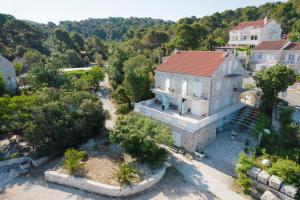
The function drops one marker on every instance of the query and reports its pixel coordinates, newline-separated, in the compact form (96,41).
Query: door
(197,88)
(184,87)
(176,139)
(167,84)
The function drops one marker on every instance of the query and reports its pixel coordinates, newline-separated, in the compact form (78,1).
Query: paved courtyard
(223,152)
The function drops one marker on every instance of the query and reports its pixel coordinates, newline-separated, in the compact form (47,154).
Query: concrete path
(205,177)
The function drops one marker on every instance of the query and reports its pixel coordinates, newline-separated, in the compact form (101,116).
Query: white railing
(287,62)
(143,108)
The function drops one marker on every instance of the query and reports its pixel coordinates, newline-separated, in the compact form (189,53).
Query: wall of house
(8,73)
(176,86)
(272,57)
(222,93)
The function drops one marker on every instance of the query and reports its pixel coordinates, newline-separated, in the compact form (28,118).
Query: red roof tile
(293,46)
(271,45)
(197,63)
(254,24)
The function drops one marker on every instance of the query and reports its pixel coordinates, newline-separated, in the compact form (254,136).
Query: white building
(194,92)
(269,53)
(7,71)
(254,32)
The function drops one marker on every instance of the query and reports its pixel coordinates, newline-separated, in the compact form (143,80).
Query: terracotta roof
(271,45)
(197,63)
(293,46)
(254,24)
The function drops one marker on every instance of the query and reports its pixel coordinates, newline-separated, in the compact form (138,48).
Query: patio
(224,151)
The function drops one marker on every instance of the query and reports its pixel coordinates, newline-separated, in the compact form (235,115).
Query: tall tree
(271,81)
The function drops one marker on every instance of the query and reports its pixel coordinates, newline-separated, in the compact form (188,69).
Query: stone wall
(263,181)
(14,161)
(104,189)
(199,139)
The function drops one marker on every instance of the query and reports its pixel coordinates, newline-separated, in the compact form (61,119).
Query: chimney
(265,20)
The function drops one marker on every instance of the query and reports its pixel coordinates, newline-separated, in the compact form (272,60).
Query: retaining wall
(104,189)
(13,161)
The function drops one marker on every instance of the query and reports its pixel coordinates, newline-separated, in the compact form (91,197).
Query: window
(217,103)
(254,37)
(218,85)
(259,56)
(291,59)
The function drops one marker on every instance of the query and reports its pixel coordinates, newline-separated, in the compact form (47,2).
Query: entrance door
(176,139)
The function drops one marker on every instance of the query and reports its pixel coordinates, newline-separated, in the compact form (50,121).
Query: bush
(288,170)
(126,173)
(244,164)
(72,160)
(123,108)
(244,182)
(141,137)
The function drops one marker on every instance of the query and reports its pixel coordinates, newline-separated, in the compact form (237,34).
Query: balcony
(186,121)
(175,94)
(239,90)
(273,61)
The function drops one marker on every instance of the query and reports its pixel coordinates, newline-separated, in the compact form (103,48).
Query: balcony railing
(183,123)
(274,61)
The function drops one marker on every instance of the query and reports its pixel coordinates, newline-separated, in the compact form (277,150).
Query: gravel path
(108,105)
(33,187)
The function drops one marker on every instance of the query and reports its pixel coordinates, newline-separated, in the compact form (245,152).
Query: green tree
(141,137)
(271,81)
(73,58)
(138,77)
(99,60)
(18,68)
(31,57)
(72,160)
(2,85)
(48,73)
(96,75)
(77,40)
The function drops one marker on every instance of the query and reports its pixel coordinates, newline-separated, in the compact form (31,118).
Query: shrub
(244,182)
(244,164)
(288,170)
(123,108)
(141,137)
(126,173)
(72,160)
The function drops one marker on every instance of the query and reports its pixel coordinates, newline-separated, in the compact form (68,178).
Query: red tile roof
(271,45)
(293,46)
(197,63)
(254,24)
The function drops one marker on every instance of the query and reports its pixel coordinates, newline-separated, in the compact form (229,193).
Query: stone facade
(197,140)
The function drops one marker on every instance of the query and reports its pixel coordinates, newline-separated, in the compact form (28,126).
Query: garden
(133,155)
(278,154)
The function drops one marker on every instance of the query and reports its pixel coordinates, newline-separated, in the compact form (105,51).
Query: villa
(8,73)
(269,53)
(254,32)
(195,93)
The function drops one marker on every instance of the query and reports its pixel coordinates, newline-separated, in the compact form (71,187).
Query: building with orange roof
(195,91)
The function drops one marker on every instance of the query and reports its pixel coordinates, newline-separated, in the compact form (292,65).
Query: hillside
(188,33)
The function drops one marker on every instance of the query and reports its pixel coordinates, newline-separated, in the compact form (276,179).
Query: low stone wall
(264,181)
(104,189)
(14,161)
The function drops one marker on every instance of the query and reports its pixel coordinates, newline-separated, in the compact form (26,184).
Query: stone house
(269,53)
(8,73)
(194,93)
